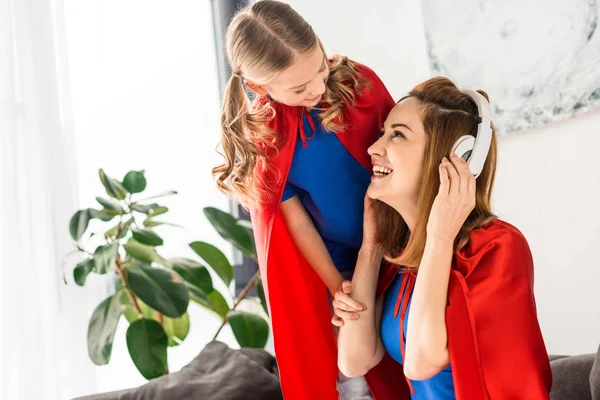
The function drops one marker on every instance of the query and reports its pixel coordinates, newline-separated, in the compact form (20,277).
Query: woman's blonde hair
(262,41)
(447,114)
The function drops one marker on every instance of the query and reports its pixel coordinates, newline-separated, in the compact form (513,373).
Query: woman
(458,310)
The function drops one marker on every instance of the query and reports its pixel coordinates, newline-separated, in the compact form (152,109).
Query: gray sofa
(217,373)
(220,373)
(576,377)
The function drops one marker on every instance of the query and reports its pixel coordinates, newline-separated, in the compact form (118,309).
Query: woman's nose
(377,148)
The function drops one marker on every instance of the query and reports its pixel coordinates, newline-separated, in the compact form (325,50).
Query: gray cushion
(571,377)
(217,373)
(595,377)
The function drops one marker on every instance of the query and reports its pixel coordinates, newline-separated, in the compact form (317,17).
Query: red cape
(495,343)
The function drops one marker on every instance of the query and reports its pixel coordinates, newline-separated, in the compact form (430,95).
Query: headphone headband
(475,149)
(483,139)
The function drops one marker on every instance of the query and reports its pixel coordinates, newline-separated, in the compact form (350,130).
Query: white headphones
(474,149)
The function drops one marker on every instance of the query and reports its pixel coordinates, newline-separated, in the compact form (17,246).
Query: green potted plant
(152,292)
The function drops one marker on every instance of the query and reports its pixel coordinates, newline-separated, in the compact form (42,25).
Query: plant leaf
(245,223)
(215,259)
(141,252)
(101,330)
(104,214)
(218,304)
(176,329)
(193,273)
(143,208)
(250,330)
(79,223)
(134,182)
(150,223)
(109,204)
(160,289)
(147,345)
(105,257)
(261,294)
(148,237)
(227,226)
(197,295)
(213,301)
(157,211)
(127,308)
(163,194)
(113,187)
(112,232)
(82,270)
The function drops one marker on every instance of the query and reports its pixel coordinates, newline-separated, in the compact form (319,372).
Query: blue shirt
(438,387)
(331,184)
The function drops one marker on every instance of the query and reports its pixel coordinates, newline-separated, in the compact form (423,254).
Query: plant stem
(79,248)
(121,273)
(239,299)
(247,289)
(161,320)
(159,317)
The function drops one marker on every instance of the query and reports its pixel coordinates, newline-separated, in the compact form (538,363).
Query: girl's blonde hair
(262,41)
(447,114)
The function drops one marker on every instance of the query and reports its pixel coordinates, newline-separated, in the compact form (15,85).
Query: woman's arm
(359,342)
(427,341)
(427,347)
(309,242)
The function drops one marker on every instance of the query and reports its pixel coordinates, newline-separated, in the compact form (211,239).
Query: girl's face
(302,84)
(398,156)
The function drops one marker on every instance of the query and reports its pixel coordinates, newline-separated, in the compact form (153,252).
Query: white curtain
(42,335)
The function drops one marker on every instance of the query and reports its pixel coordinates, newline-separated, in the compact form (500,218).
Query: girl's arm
(309,242)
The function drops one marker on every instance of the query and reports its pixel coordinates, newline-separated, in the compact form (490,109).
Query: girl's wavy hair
(262,41)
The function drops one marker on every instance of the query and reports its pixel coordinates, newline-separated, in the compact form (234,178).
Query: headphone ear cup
(464,146)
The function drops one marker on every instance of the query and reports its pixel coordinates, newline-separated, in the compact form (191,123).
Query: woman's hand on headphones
(344,306)
(454,202)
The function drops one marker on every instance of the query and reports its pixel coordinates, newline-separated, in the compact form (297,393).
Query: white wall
(548,181)
(385,35)
(548,185)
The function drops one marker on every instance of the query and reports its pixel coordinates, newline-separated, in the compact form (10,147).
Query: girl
(297,157)
(458,311)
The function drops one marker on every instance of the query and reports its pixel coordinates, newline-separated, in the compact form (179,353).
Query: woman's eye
(399,134)
(300,91)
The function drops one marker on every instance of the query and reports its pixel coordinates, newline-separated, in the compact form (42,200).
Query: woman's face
(398,156)
(303,83)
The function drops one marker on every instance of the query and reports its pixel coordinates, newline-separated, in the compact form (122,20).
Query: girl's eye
(399,134)
(323,68)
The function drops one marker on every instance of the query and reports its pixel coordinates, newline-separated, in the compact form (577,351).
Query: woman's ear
(256,88)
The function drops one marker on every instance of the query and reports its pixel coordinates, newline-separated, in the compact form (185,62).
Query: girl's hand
(344,306)
(454,202)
